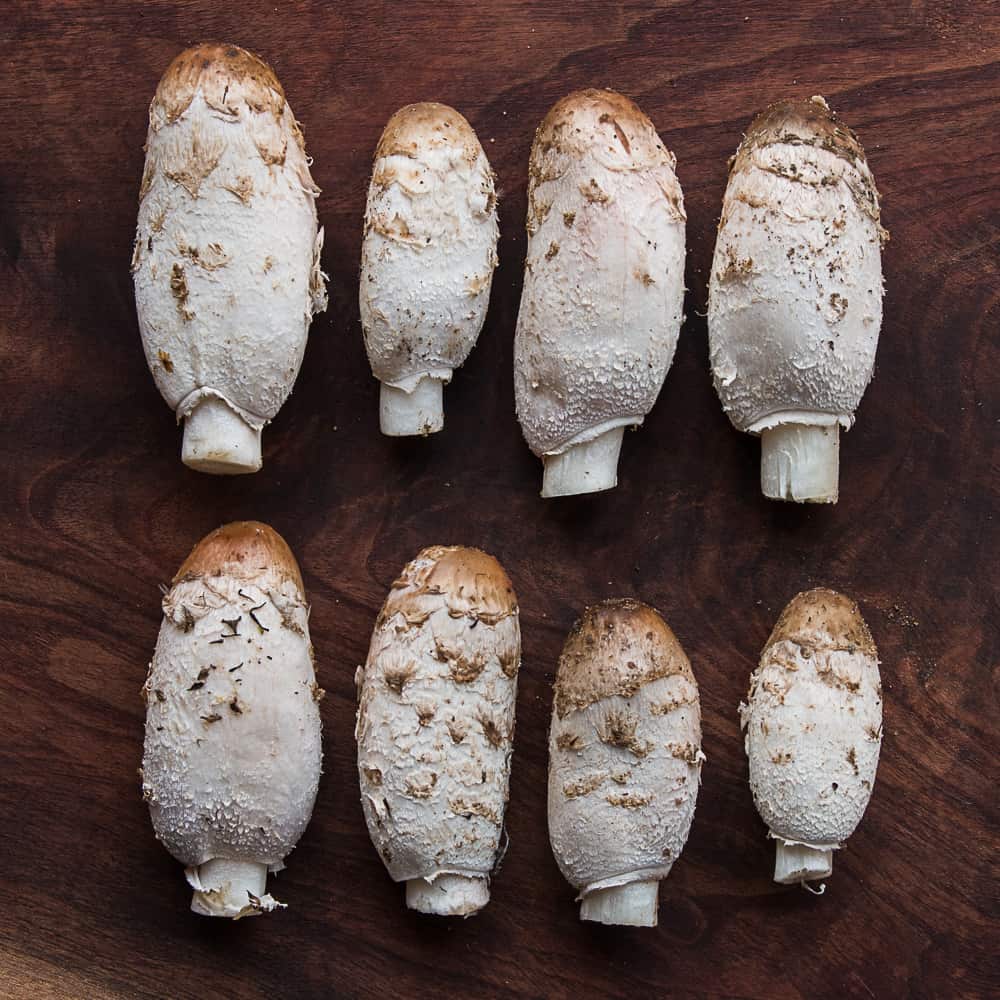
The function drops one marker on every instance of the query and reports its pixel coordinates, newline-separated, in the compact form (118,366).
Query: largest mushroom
(227,250)
(795,295)
(603,286)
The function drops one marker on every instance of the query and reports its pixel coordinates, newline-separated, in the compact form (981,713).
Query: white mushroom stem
(633,905)
(448,895)
(421,411)
(795,863)
(588,467)
(218,440)
(228,888)
(800,462)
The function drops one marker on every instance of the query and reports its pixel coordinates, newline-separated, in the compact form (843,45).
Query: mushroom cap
(613,650)
(435,723)
(823,619)
(603,293)
(429,247)
(226,261)
(233,746)
(795,293)
(242,550)
(811,122)
(214,67)
(469,581)
(416,129)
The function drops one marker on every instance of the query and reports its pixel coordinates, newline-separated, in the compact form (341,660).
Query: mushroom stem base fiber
(795,863)
(800,462)
(588,467)
(219,441)
(448,895)
(632,905)
(226,885)
(403,414)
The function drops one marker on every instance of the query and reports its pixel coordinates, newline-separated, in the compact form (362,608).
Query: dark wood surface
(97,509)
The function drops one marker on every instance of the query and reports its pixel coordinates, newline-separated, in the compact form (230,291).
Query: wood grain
(97,509)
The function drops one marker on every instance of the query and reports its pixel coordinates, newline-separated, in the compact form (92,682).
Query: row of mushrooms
(233,750)
(227,273)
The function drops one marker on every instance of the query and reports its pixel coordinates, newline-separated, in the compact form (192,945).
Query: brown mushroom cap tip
(240,64)
(243,549)
(411,126)
(466,570)
(472,581)
(617,647)
(581,107)
(823,619)
(214,67)
(804,119)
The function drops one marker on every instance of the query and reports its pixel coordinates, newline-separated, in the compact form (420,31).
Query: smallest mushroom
(813,724)
(427,261)
(624,760)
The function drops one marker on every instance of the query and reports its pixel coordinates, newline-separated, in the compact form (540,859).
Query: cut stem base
(800,462)
(404,414)
(448,895)
(632,905)
(227,886)
(794,863)
(588,467)
(218,440)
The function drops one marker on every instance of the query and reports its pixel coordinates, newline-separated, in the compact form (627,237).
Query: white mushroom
(435,726)
(427,261)
(233,750)
(226,260)
(624,760)
(603,286)
(813,723)
(795,295)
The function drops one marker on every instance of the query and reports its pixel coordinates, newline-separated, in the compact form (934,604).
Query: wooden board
(97,509)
